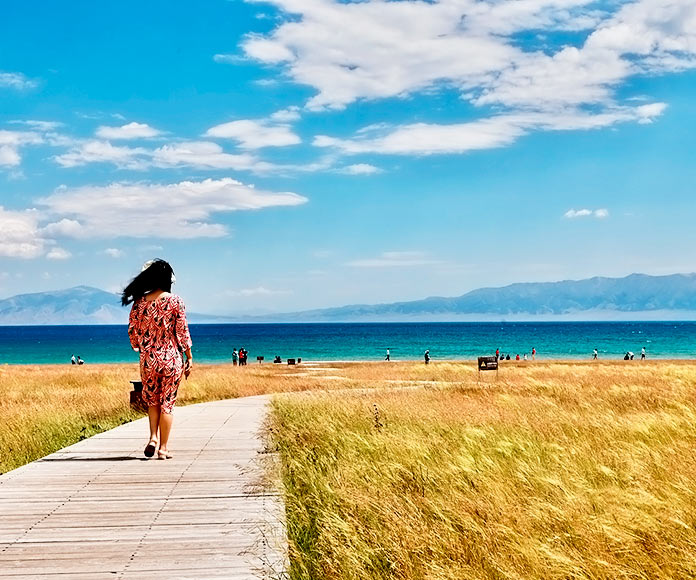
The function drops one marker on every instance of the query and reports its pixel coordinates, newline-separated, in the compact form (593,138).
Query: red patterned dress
(158,329)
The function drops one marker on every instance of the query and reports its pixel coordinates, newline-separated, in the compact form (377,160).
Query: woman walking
(158,329)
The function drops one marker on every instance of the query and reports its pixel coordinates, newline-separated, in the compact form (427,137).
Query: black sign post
(488,363)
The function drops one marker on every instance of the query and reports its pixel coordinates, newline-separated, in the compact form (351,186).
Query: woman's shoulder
(176,299)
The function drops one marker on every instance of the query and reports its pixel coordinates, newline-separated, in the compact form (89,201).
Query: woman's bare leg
(165,428)
(153,414)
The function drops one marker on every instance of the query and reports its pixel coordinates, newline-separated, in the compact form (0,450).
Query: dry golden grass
(47,407)
(557,471)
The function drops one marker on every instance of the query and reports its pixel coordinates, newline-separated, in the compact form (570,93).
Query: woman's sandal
(150,449)
(163,454)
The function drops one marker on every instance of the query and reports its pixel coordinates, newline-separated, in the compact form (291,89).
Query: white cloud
(374,49)
(19,234)
(430,139)
(228,58)
(255,134)
(286,115)
(179,210)
(395,259)
(198,154)
(114,252)
(580,213)
(43,126)
(258,291)
(360,169)
(202,154)
(128,131)
(16,81)
(103,152)
(10,143)
(58,254)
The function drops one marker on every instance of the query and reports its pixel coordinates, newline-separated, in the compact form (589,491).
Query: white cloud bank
(19,234)
(17,81)
(394,260)
(179,210)
(377,49)
(601,213)
(10,143)
(255,134)
(128,131)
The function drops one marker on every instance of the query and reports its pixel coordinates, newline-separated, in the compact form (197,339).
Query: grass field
(558,470)
(45,408)
(554,471)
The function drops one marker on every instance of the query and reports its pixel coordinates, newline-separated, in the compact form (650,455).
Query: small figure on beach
(388,357)
(243,356)
(158,330)
(73,360)
(525,356)
(235,356)
(629,355)
(594,354)
(533,353)
(497,354)
(426,356)
(642,353)
(277,359)
(507,356)
(79,360)
(517,356)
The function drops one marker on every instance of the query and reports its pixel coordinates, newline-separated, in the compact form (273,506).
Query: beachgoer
(426,356)
(242,357)
(533,353)
(235,356)
(158,330)
(507,356)
(630,354)
(525,356)
(517,357)
(594,354)
(627,357)
(642,354)
(388,356)
(73,360)
(79,360)
(497,353)
(277,359)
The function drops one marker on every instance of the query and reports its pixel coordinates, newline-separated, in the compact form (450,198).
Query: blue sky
(293,154)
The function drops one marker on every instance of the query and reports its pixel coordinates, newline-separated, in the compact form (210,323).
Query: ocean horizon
(364,341)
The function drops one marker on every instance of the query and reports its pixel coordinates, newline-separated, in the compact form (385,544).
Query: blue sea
(213,343)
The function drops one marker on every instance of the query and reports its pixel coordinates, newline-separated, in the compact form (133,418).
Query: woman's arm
(133,329)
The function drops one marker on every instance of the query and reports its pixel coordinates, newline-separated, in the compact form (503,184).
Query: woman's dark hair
(158,275)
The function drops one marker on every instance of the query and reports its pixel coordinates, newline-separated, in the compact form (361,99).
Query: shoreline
(319,363)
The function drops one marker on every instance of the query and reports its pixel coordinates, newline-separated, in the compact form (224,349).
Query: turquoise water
(213,343)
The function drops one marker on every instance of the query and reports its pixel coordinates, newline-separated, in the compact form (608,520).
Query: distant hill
(78,305)
(635,297)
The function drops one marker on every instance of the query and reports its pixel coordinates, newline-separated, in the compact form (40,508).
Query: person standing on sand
(426,356)
(497,353)
(642,354)
(235,356)
(388,357)
(73,360)
(158,330)
(533,353)
(594,354)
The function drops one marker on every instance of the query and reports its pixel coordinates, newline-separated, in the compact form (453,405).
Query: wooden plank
(98,509)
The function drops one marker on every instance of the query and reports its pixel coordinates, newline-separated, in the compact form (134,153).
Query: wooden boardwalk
(99,509)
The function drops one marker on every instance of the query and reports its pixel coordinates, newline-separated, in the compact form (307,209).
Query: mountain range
(634,297)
